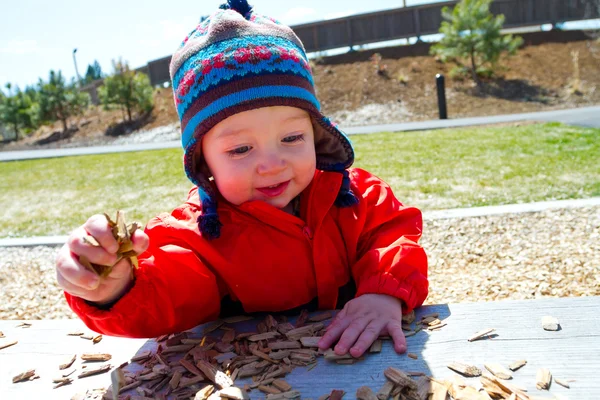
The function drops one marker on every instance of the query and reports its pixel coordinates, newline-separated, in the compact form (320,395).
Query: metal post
(76,71)
(441,94)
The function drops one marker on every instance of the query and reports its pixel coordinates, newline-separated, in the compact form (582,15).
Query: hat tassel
(345,197)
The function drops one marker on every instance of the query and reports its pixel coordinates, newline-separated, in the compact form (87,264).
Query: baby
(276,220)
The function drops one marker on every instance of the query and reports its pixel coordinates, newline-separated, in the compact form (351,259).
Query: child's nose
(271,164)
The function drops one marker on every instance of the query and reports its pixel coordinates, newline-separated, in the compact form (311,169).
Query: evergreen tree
(93,73)
(127,89)
(59,101)
(472,36)
(18,111)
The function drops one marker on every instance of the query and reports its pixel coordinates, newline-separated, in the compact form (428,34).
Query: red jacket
(269,260)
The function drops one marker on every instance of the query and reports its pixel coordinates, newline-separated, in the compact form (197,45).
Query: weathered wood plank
(567,353)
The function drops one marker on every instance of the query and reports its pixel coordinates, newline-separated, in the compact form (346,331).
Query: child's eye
(239,151)
(293,138)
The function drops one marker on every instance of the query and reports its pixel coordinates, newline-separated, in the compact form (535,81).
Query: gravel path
(515,256)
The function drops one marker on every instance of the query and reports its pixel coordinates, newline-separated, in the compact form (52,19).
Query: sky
(39,35)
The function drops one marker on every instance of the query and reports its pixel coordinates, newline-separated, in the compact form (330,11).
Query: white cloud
(340,14)
(19,47)
(297,14)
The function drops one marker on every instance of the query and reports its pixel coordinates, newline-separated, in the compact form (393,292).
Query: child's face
(264,154)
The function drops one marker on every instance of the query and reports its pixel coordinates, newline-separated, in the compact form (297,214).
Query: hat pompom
(241,6)
(345,197)
(208,222)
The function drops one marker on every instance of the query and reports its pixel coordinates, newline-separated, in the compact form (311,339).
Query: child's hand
(360,323)
(77,280)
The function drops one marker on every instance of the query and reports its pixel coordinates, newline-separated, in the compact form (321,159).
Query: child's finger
(350,335)
(97,226)
(394,329)
(140,241)
(75,273)
(334,330)
(69,287)
(96,255)
(367,337)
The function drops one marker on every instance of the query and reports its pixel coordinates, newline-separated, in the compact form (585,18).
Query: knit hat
(234,61)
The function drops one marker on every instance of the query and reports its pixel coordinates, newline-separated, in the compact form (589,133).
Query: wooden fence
(407,22)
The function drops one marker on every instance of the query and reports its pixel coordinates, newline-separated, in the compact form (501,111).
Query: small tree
(472,36)
(127,89)
(93,73)
(18,111)
(59,101)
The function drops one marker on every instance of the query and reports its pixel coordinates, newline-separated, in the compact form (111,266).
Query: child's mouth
(274,190)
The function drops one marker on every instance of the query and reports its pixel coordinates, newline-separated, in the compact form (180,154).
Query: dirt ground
(539,78)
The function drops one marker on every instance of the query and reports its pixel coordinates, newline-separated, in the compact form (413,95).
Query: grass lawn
(430,169)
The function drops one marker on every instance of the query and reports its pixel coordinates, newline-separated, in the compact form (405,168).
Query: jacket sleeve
(173,290)
(388,257)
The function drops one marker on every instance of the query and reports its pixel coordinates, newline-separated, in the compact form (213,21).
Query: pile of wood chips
(185,367)
(207,367)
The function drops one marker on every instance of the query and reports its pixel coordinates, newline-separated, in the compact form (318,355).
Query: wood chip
(543,378)
(285,345)
(498,370)
(320,317)
(385,391)
(439,389)
(75,333)
(233,393)
(481,334)
(24,376)
(68,363)
(268,389)
(400,378)
(264,356)
(562,383)
(213,374)
(87,336)
(365,393)
(280,355)
(97,339)
(212,327)
(332,356)
(8,344)
(263,336)
(61,382)
(99,370)
(306,330)
(190,367)
(1,334)
(465,369)
(376,346)
(550,323)
(413,356)
(282,385)
(141,357)
(291,395)
(237,318)
(310,341)
(96,357)
(24,325)
(409,318)
(117,378)
(204,393)
(517,364)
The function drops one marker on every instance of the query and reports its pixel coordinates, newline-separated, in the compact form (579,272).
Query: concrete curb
(429,215)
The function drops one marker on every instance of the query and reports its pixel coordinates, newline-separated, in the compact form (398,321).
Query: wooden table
(572,353)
